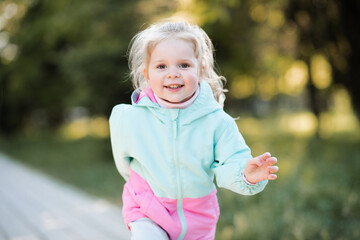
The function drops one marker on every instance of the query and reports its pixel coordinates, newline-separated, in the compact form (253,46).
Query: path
(34,206)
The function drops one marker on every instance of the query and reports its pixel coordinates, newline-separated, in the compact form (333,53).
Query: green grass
(317,194)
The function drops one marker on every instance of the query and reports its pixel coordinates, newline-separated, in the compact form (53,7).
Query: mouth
(174,86)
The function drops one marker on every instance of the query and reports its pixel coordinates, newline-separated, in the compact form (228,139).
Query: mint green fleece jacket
(180,151)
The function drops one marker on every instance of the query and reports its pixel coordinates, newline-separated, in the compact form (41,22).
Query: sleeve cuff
(245,180)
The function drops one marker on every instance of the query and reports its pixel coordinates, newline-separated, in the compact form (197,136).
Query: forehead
(169,45)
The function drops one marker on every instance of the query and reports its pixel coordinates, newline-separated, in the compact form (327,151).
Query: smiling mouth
(175,86)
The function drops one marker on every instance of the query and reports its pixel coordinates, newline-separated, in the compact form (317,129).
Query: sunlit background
(293,76)
(63,64)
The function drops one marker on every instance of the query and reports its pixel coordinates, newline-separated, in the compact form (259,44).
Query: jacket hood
(203,105)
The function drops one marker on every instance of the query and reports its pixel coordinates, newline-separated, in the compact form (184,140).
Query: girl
(174,138)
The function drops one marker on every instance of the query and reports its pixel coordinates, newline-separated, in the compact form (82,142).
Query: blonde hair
(145,41)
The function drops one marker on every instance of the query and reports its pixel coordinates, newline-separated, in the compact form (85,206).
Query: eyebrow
(160,60)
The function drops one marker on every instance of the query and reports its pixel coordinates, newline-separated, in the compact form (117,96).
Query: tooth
(174,86)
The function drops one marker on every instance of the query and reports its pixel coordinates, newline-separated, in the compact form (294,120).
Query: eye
(161,66)
(184,65)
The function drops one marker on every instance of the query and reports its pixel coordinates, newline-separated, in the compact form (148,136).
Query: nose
(173,73)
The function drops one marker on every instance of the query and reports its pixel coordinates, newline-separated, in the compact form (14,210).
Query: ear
(202,70)
(146,75)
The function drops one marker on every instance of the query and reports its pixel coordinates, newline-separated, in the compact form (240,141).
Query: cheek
(155,80)
(193,78)
(151,76)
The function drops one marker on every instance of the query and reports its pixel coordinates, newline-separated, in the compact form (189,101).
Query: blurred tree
(332,29)
(254,48)
(70,54)
(234,35)
(62,54)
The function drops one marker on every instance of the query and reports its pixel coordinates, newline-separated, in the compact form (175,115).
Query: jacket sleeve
(231,154)
(118,143)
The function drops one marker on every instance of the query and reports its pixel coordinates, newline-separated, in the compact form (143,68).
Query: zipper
(180,210)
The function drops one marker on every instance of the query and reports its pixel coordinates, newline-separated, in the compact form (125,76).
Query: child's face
(173,71)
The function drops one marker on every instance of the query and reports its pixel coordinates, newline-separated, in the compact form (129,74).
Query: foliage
(56,55)
(71,54)
(330,28)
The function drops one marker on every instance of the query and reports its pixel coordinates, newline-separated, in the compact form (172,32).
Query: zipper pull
(175,118)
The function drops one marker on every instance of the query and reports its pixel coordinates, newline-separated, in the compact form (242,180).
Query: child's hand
(261,168)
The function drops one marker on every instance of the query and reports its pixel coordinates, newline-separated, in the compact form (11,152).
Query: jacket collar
(203,105)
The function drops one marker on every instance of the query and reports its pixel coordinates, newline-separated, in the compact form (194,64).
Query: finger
(271,160)
(262,158)
(272,177)
(273,169)
(255,161)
